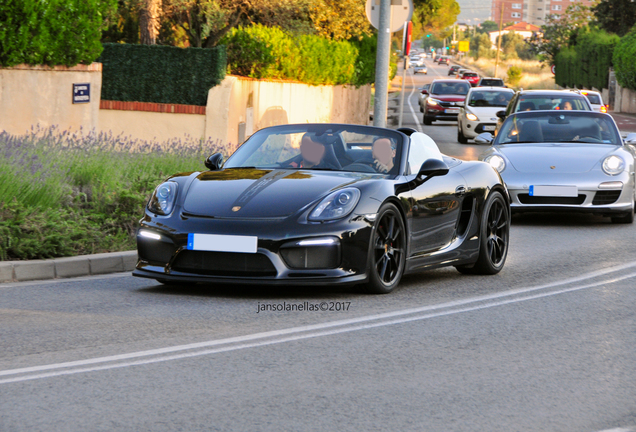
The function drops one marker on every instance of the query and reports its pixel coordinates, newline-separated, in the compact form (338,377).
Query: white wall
(42,95)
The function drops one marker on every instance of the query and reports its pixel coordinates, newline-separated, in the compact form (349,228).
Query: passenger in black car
(383,153)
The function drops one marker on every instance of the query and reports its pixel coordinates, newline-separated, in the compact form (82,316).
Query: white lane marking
(417,121)
(435,70)
(291,334)
(618,430)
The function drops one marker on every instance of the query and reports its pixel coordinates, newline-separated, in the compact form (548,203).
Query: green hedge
(268,52)
(625,60)
(52,32)
(586,64)
(162,74)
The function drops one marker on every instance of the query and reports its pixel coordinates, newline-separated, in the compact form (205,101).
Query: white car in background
(479,113)
(595,99)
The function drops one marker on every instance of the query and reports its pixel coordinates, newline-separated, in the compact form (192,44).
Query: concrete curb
(83,265)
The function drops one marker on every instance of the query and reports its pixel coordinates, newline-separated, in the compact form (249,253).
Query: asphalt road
(549,344)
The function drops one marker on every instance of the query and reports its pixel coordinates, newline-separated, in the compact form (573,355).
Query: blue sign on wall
(81,93)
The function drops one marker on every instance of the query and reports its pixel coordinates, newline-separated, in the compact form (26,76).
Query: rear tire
(494,234)
(387,251)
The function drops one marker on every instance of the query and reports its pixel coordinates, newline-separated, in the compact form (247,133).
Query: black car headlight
(163,198)
(336,205)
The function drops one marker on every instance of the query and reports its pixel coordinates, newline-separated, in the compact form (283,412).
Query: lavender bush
(69,193)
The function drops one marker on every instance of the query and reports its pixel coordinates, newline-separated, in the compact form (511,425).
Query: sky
(473,11)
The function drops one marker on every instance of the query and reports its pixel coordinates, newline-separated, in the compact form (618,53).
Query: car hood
(555,158)
(258,193)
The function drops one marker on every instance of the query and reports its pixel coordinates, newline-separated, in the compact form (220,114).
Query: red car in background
(445,98)
(471,76)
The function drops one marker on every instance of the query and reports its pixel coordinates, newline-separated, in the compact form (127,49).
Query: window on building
(556,7)
(516,5)
(516,15)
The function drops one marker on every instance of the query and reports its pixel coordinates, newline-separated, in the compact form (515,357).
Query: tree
(487,26)
(149,21)
(509,42)
(615,16)
(340,19)
(559,30)
(436,15)
(53,32)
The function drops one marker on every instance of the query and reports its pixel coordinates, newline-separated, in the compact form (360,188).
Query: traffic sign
(463,46)
(406,38)
(401,12)
(553,69)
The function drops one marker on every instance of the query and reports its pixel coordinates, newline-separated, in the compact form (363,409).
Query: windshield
(325,147)
(447,88)
(484,98)
(555,127)
(593,98)
(545,102)
(491,82)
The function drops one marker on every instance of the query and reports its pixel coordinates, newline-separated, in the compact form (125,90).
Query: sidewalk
(58,268)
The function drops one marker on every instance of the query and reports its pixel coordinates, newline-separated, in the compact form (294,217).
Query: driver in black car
(312,153)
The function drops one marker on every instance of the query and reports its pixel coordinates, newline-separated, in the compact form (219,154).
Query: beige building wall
(152,126)
(43,96)
(238,107)
(40,95)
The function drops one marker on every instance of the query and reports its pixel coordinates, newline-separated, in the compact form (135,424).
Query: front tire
(427,120)
(494,234)
(387,254)
(625,218)
(460,135)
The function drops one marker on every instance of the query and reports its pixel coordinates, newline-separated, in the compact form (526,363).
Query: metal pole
(404,37)
(402,94)
(382,65)
(499,40)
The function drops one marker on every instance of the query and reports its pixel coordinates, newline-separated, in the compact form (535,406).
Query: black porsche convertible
(323,204)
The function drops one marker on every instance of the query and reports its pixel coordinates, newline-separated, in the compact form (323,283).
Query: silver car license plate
(222,243)
(562,191)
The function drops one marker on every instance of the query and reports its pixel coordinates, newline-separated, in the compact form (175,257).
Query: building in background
(531,11)
(526,30)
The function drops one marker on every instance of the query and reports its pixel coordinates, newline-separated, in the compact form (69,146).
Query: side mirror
(424,91)
(484,138)
(432,168)
(630,138)
(501,114)
(214,162)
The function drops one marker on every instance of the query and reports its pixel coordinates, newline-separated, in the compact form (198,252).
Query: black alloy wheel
(387,251)
(493,238)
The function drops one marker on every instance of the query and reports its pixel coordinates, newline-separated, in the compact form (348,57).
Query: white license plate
(451,110)
(222,243)
(489,128)
(561,191)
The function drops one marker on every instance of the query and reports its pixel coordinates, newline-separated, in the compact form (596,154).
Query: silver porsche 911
(565,161)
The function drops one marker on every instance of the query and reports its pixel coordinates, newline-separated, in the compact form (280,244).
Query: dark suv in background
(445,98)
